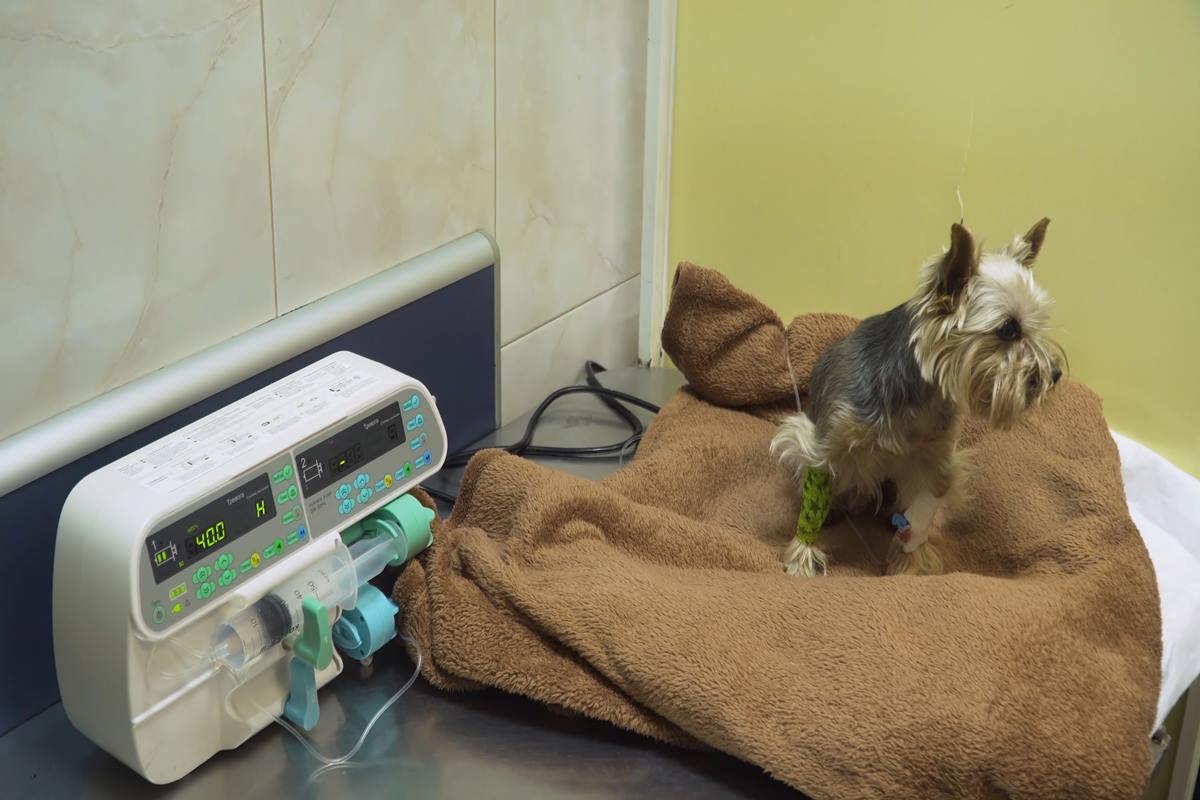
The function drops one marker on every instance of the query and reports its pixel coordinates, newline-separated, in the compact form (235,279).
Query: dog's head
(981,323)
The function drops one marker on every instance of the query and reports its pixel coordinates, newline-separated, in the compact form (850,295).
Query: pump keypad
(359,467)
(384,469)
(212,575)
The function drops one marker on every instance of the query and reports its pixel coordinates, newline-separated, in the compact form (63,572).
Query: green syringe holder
(314,646)
(405,520)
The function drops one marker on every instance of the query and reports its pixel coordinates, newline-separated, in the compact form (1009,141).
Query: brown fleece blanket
(654,599)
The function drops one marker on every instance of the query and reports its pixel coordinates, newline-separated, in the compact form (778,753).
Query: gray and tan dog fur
(886,402)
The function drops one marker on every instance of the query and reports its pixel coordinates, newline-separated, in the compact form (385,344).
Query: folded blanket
(654,599)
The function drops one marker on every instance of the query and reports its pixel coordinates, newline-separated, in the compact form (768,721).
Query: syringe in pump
(255,629)
(334,581)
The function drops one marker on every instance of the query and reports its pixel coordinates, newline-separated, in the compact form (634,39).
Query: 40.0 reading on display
(202,541)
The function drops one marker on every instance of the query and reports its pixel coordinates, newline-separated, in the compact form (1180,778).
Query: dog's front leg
(912,553)
(925,481)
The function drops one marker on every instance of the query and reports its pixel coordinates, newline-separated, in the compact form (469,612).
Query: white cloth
(1164,502)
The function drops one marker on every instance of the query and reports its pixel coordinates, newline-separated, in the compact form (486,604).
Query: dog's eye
(1010,331)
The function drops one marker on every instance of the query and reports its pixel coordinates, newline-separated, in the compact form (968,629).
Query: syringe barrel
(251,631)
(262,625)
(394,535)
(371,554)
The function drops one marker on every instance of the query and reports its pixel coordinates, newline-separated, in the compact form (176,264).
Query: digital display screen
(343,453)
(210,528)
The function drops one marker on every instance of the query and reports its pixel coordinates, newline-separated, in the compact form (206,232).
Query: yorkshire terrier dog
(885,403)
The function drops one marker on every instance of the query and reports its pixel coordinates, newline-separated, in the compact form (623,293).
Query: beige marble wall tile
(603,329)
(134,209)
(570,95)
(381,122)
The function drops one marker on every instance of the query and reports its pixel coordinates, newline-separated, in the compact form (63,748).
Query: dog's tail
(796,445)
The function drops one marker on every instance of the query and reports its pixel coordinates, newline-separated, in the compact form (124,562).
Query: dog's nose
(1055,374)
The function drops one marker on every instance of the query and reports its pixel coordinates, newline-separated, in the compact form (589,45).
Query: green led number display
(213,535)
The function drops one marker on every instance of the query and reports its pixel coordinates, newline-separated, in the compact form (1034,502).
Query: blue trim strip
(447,340)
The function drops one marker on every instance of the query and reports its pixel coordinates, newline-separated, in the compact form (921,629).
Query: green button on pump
(201,575)
(158,613)
(282,497)
(246,566)
(287,471)
(278,477)
(293,492)
(224,561)
(227,577)
(205,591)
(289,517)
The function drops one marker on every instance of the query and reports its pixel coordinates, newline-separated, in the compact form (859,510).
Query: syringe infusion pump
(201,582)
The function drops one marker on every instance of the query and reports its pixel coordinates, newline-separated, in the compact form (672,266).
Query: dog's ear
(1025,248)
(959,264)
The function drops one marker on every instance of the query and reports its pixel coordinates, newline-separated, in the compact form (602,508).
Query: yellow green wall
(817,147)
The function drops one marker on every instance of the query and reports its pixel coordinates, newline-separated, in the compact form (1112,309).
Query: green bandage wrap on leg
(814,505)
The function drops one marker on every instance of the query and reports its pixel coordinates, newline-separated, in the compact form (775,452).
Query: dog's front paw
(924,560)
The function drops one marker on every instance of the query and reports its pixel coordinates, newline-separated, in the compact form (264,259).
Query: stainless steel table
(429,744)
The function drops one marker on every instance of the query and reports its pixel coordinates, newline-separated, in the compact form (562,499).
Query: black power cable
(438,494)
(592,369)
(525,446)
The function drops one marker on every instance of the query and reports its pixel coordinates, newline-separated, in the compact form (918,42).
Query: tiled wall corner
(603,329)
(134,213)
(570,97)
(381,129)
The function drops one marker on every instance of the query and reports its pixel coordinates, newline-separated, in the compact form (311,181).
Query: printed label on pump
(260,425)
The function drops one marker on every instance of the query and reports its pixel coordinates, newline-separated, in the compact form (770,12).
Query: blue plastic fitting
(368,626)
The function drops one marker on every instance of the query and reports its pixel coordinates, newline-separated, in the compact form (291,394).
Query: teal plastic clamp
(312,651)
(368,626)
(301,707)
(314,646)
